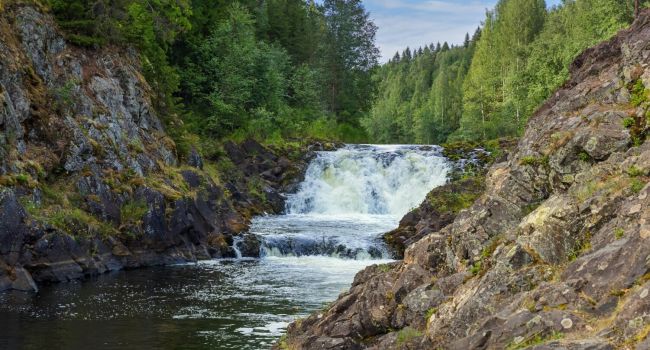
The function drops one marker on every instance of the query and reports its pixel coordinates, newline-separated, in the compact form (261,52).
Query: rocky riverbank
(554,254)
(90,181)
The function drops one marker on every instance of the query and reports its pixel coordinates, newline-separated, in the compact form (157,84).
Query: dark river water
(210,305)
(331,231)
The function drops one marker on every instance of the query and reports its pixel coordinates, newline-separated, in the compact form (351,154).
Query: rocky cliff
(554,254)
(89,180)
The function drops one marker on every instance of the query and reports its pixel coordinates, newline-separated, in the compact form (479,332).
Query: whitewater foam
(369,179)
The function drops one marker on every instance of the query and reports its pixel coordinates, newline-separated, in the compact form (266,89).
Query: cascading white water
(367,179)
(349,198)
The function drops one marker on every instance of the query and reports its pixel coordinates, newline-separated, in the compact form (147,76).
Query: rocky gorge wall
(89,180)
(555,252)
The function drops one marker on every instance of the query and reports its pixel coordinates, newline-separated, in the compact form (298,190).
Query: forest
(273,70)
(289,69)
(489,86)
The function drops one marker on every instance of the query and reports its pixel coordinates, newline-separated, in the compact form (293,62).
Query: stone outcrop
(555,254)
(89,180)
(469,165)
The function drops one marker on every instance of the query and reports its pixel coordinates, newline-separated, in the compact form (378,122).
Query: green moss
(407,334)
(535,339)
(385,267)
(628,122)
(633,171)
(534,161)
(491,247)
(454,201)
(638,92)
(582,246)
(458,150)
(584,156)
(22,179)
(255,188)
(51,195)
(73,221)
(133,211)
(476,268)
(282,342)
(65,94)
(529,208)
(617,292)
(636,185)
(430,313)
(136,146)
(619,233)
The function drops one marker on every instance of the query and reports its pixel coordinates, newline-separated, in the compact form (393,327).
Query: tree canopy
(271,68)
(489,86)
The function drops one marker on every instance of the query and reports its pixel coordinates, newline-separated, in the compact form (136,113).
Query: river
(330,231)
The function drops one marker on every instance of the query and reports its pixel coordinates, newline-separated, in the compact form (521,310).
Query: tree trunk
(636,8)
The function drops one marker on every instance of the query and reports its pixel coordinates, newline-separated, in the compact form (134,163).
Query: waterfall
(367,179)
(349,197)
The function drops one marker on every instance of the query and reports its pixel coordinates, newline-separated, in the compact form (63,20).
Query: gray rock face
(90,182)
(554,255)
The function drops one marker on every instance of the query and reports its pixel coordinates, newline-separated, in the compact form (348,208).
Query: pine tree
(396,58)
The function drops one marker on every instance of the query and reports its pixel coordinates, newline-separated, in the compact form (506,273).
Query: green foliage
(490,86)
(233,80)
(133,211)
(58,211)
(407,334)
(584,156)
(634,171)
(385,267)
(628,122)
(266,70)
(535,339)
(636,185)
(639,93)
(418,98)
(430,313)
(476,268)
(619,233)
(453,201)
(273,70)
(534,161)
(583,245)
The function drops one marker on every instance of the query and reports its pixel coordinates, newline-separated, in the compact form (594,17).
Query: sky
(414,23)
